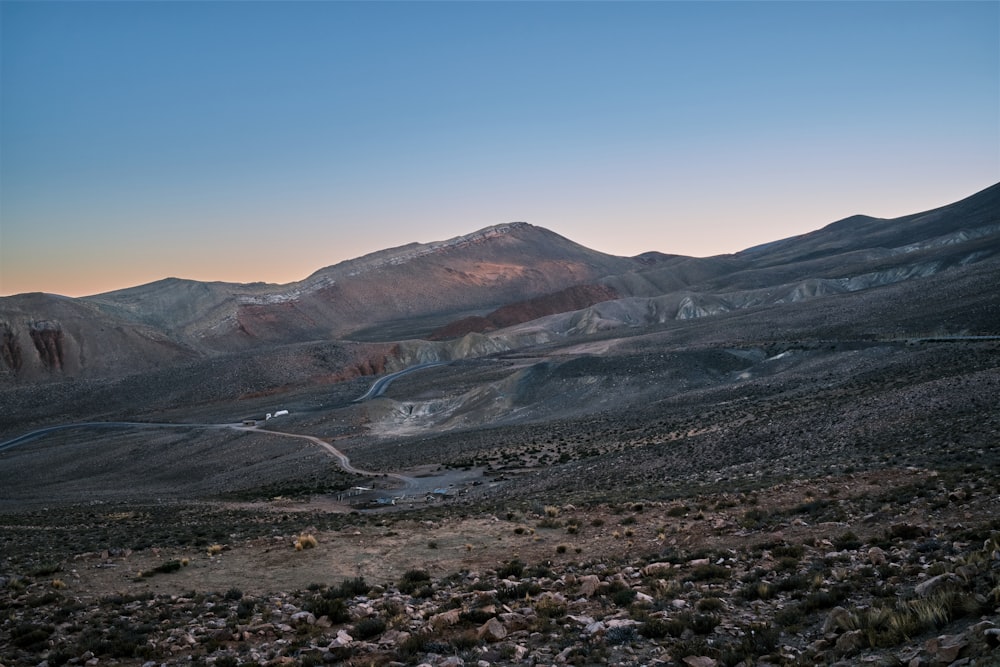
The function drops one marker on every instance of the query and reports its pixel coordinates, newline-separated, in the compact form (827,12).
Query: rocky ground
(895,567)
(619,501)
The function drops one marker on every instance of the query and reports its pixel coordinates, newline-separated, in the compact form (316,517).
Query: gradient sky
(246,141)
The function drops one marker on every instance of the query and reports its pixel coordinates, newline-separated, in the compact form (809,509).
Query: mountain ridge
(499,276)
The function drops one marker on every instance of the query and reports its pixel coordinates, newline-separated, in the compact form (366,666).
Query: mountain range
(502,277)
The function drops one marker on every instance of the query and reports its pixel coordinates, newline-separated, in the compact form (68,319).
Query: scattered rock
(700,661)
(850,642)
(303,618)
(837,620)
(445,619)
(946,649)
(589,585)
(657,569)
(934,584)
(876,556)
(492,631)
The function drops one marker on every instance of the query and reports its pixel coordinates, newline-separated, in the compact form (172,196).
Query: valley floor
(792,503)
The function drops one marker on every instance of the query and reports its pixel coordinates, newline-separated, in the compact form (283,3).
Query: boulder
(700,661)
(303,618)
(589,584)
(850,642)
(342,640)
(876,556)
(515,621)
(445,619)
(837,620)
(934,584)
(946,649)
(657,569)
(492,630)
(580,618)
(393,638)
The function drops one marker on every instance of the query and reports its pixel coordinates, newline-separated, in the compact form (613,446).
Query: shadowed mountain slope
(44,336)
(851,255)
(477,271)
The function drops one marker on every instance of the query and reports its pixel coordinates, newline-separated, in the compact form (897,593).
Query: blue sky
(245,141)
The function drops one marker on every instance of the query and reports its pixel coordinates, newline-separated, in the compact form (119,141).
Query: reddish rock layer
(572,298)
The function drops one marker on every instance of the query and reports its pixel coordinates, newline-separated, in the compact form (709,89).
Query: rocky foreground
(882,569)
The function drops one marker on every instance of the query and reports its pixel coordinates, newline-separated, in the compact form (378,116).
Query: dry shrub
(305,541)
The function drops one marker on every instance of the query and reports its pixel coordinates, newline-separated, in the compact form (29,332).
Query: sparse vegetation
(305,541)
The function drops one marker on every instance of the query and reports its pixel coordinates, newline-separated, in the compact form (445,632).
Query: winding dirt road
(345,462)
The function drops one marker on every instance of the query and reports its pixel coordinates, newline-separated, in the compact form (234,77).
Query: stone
(514,621)
(393,638)
(934,584)
(876,556)
(342,640)
(837,620)
(303,618)
(657,569)
(492,630)
(945,649)
(700,661)
(445,619)
(849,642)
(589,584)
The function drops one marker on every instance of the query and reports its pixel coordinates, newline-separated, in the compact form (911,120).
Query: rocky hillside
(896,567)
(109,335)
(44,336)
(478,271)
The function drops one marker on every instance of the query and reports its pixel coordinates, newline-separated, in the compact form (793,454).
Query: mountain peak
(406,253)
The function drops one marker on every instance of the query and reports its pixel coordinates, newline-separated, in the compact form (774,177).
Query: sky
(261,141)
